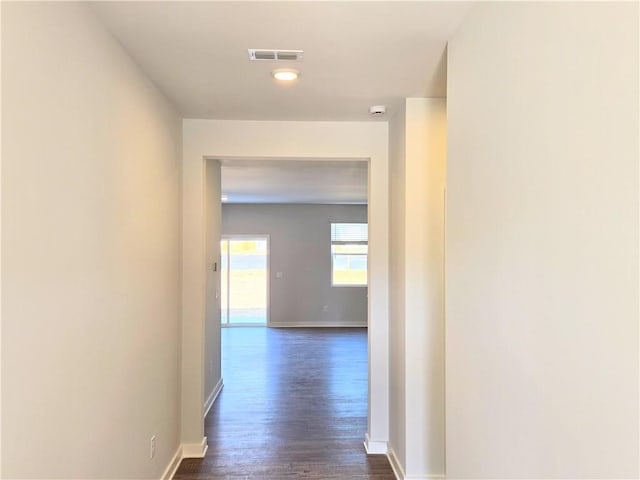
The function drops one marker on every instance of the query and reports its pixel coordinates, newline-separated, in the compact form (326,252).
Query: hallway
(294,405)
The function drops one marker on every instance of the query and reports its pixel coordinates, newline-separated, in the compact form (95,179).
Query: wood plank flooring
(294,405)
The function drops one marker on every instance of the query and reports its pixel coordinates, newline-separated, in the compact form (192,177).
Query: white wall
(417,170)
(90,221)
(300,248)
(397,259)
(1,309)
(542,242)
(424,280)
(331,140)
(212,360)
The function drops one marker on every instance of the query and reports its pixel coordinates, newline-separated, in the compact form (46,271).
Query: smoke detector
(275,55)
(377,110)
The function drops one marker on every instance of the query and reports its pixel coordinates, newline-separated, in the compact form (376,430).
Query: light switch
(278,274)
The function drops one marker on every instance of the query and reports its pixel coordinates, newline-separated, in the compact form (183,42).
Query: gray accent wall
(299,247)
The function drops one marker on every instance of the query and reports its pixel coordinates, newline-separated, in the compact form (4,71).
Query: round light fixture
(285,74)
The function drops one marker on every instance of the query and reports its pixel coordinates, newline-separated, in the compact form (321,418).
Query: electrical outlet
(152,449)
(325,308)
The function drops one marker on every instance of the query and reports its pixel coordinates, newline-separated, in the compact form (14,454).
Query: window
(349,248)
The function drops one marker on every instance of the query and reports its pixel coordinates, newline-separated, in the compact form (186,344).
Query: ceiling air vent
(275,55)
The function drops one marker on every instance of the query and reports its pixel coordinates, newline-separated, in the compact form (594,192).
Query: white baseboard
(398,471)
(186,450)
(315,325)
(171,469)
(212,398)
(374,448)
(395,464)
(195,450)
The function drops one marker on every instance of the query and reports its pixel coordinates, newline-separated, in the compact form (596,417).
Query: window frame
(366,255)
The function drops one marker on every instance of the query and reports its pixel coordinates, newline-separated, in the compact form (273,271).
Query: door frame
(206,142)
(248,236)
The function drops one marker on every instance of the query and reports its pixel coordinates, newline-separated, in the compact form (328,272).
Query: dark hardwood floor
(294,405)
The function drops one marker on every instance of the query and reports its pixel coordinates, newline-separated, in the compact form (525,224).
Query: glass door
(244,273)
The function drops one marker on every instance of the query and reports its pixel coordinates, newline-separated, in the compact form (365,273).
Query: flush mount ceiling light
(285,74)
(224,198)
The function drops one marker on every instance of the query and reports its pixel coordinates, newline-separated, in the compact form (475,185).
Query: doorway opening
(285,199)
(244,286)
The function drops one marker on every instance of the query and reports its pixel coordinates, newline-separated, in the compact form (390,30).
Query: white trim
(398,471)
(374,448)
(171,469)
(212,398)
(395,464)
(195,450)
(317,325)
(224,140)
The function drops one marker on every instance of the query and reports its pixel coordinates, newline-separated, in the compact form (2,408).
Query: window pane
(350,248)
(247,281)
(224,310)
(358,262)
(349,269)
(340,262)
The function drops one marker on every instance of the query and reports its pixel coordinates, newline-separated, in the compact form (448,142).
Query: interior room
(293,313)
(313,216)
(498,333)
